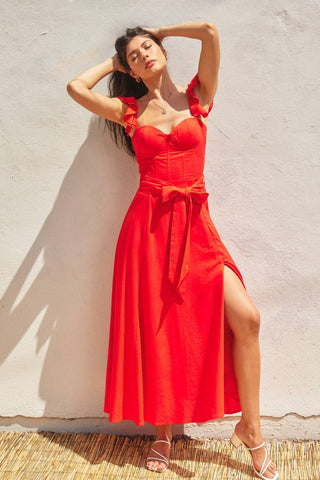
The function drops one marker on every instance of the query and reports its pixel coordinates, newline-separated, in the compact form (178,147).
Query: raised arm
(79,88)
(209,61)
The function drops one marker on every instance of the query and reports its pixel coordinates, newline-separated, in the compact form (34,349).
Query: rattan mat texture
(94,456)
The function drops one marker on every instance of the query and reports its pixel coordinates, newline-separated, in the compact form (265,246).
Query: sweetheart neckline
(168,134)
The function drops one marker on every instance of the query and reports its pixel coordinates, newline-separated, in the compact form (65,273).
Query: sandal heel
(235,440)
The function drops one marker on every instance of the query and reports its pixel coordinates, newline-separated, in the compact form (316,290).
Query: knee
(253,321)
(249,325)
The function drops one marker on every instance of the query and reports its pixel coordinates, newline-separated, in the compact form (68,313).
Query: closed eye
(136,56)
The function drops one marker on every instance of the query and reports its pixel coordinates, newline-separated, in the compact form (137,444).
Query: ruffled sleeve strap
(130,116)
(195,108)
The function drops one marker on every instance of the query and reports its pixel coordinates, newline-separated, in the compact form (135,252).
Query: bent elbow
(70,87)
(74,87)
(211,28)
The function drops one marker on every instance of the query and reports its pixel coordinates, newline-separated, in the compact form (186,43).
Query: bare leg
(244,321)
(163,432)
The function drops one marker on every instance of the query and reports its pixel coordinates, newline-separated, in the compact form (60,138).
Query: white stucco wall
(65,189)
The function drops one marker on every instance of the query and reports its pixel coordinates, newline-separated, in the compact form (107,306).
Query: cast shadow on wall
(67,303)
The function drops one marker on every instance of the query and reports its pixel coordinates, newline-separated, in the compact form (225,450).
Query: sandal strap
(155,458)
(255,448)
(156,441)
(158,453)
(264,468)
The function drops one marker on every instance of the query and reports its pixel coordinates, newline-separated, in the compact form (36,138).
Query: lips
(148,64)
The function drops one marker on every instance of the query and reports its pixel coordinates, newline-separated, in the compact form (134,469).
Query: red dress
(170,350)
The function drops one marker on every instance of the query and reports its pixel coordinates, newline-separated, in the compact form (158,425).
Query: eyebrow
(140,46)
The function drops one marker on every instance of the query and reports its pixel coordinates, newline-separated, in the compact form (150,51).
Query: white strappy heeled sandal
(236,442)
(163,459)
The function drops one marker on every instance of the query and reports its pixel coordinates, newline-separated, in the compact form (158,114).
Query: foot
(252,437)
(160,448)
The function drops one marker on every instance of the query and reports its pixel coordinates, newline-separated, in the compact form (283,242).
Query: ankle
(163,432)
(251,428)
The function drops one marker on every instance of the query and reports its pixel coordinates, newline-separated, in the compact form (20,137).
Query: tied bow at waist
(179,234)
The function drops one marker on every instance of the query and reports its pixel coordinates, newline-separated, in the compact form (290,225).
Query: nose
(144,56)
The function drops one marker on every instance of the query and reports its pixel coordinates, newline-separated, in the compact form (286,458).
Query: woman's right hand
(116,63)
(156,32)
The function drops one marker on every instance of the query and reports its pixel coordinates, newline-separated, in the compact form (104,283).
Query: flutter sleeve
(130,116)
(195,108)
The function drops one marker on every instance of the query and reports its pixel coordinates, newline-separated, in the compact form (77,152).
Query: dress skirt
(170,357)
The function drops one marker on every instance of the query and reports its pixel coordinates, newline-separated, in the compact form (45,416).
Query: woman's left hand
(156,32)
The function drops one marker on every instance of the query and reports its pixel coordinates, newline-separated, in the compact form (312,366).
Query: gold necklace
(163,110)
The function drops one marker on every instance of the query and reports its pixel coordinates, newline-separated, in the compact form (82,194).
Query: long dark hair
(124,85)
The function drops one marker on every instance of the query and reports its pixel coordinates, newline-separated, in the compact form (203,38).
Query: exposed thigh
(239,309)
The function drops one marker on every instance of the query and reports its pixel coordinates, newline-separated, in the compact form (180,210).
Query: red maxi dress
(170,350)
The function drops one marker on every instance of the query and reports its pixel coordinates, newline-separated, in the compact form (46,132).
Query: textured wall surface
(65,189)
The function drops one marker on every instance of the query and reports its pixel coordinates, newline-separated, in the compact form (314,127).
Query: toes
(161,466)
(270,472)
(272,468)
(154,464)
(151,465)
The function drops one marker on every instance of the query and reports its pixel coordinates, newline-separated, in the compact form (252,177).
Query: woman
(184,343)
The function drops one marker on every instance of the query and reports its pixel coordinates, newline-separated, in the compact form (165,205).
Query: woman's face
(140,50)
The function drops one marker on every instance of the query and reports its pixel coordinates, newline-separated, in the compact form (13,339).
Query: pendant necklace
(163,110)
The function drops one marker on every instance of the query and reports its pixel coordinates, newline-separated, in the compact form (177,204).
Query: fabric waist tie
(180,223)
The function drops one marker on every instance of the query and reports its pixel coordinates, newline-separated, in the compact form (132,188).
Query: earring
(138,80)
